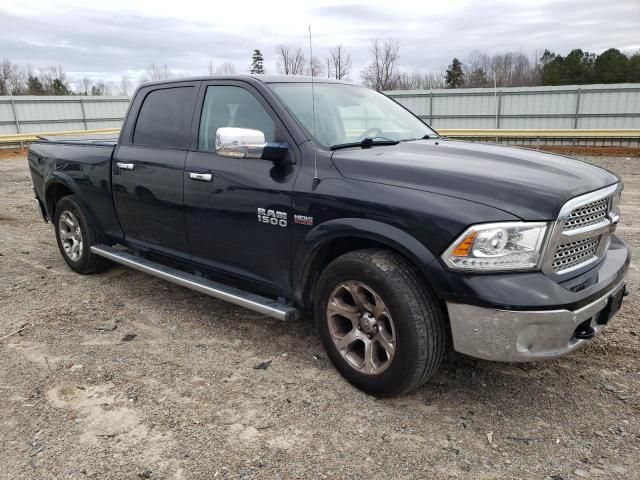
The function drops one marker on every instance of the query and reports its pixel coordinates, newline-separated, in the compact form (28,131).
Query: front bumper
(523,335)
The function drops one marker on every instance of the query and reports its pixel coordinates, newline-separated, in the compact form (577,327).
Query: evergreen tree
(633,72)
(611,66)
(455,75)
(58,87)
(34,86)
(550,66)
(577,67)
(257,66)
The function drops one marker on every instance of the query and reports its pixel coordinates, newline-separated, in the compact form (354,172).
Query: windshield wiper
(366,143)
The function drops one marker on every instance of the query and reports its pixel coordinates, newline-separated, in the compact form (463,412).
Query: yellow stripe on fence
(540,133)
(31,137)
(447,132)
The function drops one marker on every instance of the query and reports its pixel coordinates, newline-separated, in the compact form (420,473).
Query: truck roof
(254,77)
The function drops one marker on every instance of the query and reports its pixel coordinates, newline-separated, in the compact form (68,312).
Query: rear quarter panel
(85,170)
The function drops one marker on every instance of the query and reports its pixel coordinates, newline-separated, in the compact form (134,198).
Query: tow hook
(584,331)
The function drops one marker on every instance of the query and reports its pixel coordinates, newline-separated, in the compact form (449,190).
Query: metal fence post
(498,108)
(84,114)
(15,115)
(15,118)
(431,108)
(577,116)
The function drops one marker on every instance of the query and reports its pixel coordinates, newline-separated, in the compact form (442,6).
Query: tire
(76,234)
(398,338)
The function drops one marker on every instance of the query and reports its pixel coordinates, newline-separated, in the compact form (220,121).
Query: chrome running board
(229,294)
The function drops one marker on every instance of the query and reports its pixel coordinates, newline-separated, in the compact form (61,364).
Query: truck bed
(105,139)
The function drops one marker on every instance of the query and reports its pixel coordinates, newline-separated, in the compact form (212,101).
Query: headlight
(493,247)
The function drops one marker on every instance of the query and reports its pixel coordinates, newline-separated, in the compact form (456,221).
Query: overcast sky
(104,40)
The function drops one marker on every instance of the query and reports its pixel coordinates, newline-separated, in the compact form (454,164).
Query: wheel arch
(60,185)
(331,239)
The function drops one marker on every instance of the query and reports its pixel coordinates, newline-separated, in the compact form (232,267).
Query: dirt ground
(122,376)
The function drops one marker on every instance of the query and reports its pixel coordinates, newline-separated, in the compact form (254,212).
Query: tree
(7,73)
(34,86)
(633,73)
(125,86)
(577,67)
(338,63)
(290,62)
(381,74)
(85,86)
(159,72)
(611,66)
(314,67)
(476,78)
(455,76)
(54,81)
(420,81)
(59,87)
(552,68)
(257,67)
(226,68)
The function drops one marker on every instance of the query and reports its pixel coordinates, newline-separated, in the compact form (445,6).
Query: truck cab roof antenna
(316,178)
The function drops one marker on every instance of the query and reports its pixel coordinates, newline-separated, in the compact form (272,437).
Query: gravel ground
(119,375)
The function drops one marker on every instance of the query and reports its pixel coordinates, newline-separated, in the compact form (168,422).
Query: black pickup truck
(286,196)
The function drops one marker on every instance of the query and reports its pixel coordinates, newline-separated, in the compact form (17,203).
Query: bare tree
(125,86)
(85,86)
(421,81)
(381,74)
(290,62)
(210,67)
(159,72)
(314,67)
(226,68)
(340,62)
(7,70)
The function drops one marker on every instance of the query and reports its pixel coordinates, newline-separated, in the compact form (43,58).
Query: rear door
(225,228)
(148,167)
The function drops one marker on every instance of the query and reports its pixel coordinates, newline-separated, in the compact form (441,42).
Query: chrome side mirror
(240,142)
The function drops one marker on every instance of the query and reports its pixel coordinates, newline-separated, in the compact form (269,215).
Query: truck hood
(529,184)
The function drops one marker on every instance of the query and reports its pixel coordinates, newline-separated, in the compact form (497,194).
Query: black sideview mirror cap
(276,152)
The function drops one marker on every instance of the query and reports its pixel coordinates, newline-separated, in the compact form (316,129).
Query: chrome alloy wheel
(361,327)
(70,235)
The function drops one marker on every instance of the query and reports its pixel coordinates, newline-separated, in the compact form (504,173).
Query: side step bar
(233,295)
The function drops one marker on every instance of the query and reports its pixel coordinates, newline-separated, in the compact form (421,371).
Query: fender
(58,177)
(386,234)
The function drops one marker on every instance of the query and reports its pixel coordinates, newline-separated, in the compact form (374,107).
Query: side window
(229,106)
(164,118)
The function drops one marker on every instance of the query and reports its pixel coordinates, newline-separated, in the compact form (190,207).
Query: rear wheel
(382,327)
(76,235)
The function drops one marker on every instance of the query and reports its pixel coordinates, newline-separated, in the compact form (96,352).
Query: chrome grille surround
(581,234)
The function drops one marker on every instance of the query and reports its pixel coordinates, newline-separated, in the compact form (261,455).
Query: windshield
(349,113)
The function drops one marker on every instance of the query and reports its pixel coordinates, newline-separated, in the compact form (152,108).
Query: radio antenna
(316,179)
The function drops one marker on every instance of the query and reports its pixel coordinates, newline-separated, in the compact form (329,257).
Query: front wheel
(382,327)
(76,235)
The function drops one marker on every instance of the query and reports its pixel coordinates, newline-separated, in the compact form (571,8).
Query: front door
(227,199)
(148,169)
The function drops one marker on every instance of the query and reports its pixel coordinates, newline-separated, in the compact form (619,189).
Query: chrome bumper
(522,336)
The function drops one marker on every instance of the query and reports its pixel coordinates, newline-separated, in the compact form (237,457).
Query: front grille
(575,253)
(589,214)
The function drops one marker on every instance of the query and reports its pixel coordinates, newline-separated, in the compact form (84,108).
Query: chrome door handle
(125,166)
(203,177)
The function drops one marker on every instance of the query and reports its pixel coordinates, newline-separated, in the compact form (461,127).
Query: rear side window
(164,118)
